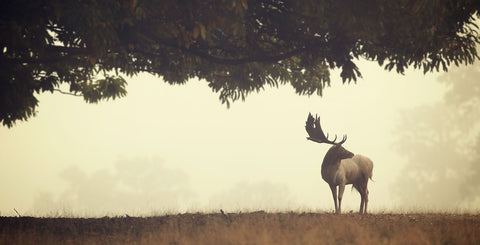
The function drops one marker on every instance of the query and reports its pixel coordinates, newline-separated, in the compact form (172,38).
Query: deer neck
(334,155)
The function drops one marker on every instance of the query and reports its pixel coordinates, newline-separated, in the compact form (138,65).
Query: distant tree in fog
(441,144)
(136,186)
(470,188)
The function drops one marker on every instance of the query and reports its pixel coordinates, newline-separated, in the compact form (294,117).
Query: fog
(441,143)
(134,186)
(168,149)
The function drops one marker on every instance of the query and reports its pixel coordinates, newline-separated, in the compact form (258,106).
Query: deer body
(341,167)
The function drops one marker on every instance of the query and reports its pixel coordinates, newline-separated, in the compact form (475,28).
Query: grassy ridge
(246,228)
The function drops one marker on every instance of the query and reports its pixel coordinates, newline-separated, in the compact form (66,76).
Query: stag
(341,167)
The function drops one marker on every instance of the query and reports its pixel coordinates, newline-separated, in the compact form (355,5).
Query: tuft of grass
(247,228)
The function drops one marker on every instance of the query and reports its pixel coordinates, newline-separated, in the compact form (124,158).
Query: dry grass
(247,228)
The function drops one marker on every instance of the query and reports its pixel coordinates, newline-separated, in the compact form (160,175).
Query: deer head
(316,134)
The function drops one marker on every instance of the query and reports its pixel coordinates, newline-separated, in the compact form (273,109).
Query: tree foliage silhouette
(236,46)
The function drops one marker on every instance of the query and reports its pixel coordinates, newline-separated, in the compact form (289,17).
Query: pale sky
(170,148)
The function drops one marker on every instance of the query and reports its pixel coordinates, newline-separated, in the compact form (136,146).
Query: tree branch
(232,61)
(244,60)
(67,93)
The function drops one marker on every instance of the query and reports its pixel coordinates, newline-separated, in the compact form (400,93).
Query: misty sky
(170,148)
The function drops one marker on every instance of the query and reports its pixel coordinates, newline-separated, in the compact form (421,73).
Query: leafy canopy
(236,46)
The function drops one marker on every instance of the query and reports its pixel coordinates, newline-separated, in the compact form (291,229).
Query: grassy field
(247,228)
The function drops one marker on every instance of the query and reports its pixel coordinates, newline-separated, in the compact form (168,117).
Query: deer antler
(316,134)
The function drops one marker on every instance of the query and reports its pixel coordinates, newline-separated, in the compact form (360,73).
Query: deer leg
(366,200)
(362,197)
(334,193)
(341,189)
(359,188)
